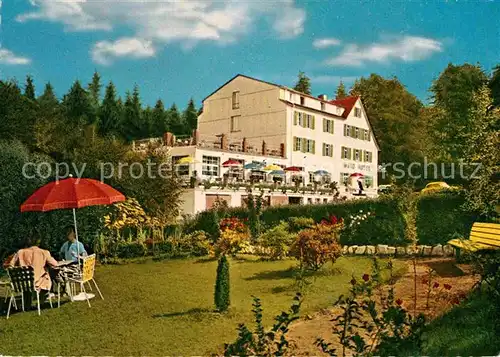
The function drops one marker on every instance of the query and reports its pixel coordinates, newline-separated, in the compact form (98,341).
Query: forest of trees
(94,105)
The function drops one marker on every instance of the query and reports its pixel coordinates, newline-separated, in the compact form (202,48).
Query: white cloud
(407,49)
(327,79)
(8,57)
(325,42)
(105,52)
(166,21)
(290,22)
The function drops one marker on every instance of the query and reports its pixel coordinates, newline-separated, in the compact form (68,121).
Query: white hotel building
(250,120)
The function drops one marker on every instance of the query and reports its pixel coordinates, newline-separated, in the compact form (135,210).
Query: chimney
(323,97)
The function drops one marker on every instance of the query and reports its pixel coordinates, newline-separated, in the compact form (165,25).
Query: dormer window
(302,101)
(291,97)
(357,112)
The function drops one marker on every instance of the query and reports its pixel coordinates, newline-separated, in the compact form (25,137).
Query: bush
(196,244)
(278,239)
(440,217)
(222,288)
(315,246)
(299,223)
(131,250)
(230,242)
(388,227)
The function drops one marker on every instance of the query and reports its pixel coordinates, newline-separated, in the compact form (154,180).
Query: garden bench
(483,236)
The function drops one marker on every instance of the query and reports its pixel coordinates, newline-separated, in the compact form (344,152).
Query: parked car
(384,188)
(437,186)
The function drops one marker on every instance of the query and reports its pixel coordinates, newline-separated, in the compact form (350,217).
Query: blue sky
(175,50)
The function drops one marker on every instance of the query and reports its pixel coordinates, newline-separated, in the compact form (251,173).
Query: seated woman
(72,249)
(39,259)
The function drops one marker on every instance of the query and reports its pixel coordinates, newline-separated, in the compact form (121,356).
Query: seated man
(72,248)
(32,256)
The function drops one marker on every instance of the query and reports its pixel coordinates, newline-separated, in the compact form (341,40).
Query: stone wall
(381,249)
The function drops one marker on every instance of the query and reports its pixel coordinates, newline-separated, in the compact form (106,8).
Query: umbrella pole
(77,242)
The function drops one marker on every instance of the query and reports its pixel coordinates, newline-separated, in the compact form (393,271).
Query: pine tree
(341,91)
(109,112)
(175,122)
(190,117)
(147,118)
(494,85)
(132,124)
(159,125)
(303,84)
(29,89)
(77,105)
(222,285)
(94,89)
(48,98)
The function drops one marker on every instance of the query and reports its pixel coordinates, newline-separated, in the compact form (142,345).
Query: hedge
(440,217)
(387,226)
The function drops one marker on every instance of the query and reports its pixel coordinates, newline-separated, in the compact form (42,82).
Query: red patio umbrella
(232,163)
(293,169)
(357,174)
(71,193)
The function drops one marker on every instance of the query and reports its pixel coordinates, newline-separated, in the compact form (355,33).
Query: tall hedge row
(440,217)
(386,223)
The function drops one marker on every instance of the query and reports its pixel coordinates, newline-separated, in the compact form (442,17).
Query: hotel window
(302,101)
(347,130)
(210,166)
(310,147)
(182,170)
(366,135)
(346,153)
(327,150)
(297,144)
(291,97)
(357,112)
(356,135)
(236,100)
(327,126)
(344,178)
(357,155)
(322,106)
(235,123)
(367,156)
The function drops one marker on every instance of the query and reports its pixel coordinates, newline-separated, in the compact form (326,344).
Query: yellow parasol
(272,168)
(186,160)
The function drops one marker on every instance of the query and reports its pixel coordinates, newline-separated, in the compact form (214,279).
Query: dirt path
(304,333)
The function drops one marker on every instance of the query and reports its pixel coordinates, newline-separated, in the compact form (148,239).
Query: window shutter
(369,136)
(303,144)
(294,143)
(313,146)
(370,156)
(324,149)
(313,121)
(295,118)
(331,126)
(349,153)
(345,129)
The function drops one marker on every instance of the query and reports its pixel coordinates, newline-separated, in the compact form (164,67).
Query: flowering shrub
(315,246)
(233,238)
(356,220)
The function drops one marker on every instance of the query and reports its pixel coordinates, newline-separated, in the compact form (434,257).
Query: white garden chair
(86,276)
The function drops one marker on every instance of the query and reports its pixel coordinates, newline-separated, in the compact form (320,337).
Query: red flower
(353,281)
(425,281)
(399,302)
(366,277)
(455,301)
(436,285)
(447,286)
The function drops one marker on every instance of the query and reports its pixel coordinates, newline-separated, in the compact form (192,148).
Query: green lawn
(160,308)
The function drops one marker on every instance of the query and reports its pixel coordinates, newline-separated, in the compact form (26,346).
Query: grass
(470,329)
(166,308)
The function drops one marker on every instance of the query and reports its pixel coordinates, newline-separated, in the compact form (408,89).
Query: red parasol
(71,193)
(357,174)
(232,163)
(293,169)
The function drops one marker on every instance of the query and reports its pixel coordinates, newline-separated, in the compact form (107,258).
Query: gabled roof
(346,103)
(241,75)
